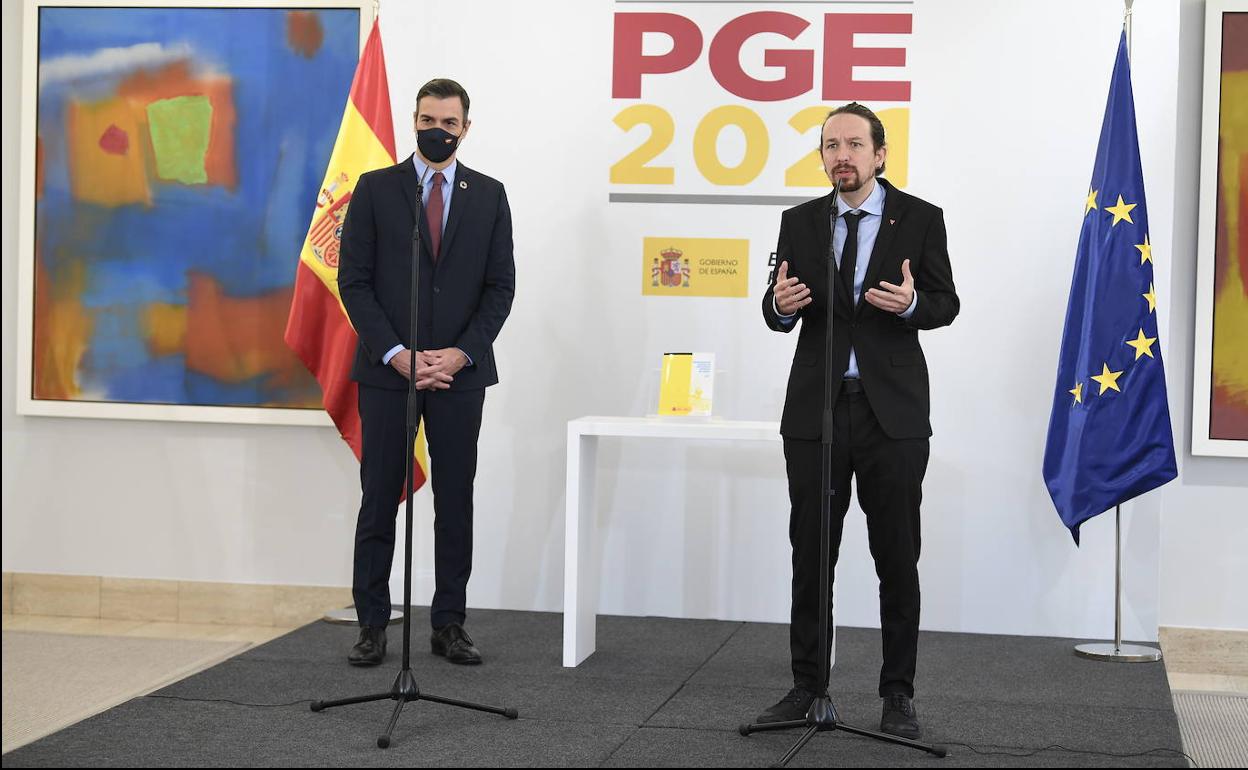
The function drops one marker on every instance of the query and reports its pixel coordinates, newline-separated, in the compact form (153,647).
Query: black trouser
(452,424)
(890,478)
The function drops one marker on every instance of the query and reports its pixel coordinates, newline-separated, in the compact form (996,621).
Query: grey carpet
(658,692)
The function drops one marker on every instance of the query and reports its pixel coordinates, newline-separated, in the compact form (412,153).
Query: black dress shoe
(370,650)
(791,708)
(899,718)
(452,642)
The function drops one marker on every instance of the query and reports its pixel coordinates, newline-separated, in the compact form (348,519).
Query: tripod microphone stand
(405,690)
(822,715)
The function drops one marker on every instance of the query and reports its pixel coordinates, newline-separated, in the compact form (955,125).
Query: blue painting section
(248,238)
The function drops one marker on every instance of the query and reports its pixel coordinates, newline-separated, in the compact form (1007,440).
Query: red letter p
(629,61)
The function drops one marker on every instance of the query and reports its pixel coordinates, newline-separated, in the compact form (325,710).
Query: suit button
(436,290)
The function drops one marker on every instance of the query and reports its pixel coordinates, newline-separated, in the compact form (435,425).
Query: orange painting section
(96,176)
(62,328)
(224,338)
(143,87)
(164,328)
(304,33)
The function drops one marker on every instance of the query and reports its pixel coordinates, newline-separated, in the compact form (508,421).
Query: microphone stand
(822,716)
(405,690)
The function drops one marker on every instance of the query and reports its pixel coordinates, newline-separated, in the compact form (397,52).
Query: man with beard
(892,279)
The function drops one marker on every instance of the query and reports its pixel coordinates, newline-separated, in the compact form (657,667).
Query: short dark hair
(864,112)
(443,88)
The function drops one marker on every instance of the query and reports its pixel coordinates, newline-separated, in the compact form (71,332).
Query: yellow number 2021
(635,168)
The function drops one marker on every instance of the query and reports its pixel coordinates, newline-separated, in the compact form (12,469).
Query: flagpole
(1131,653)
(1117,651)
(1126,25)
(1118,556)
(347,616)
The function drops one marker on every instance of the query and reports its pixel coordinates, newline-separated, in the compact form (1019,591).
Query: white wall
(1006,113)
(1205,556)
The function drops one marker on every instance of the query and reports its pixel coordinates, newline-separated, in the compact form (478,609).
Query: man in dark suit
(892,279)
(467,281)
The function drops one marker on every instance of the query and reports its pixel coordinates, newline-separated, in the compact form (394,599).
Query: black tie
(849,252)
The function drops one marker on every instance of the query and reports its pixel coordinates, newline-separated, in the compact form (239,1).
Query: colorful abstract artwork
(179,154)
(1228,409)
(1220,353)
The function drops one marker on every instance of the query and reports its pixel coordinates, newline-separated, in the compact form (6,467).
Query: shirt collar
(425,173)
(874,204)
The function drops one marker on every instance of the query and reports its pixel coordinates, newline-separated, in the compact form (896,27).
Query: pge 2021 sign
(716,101)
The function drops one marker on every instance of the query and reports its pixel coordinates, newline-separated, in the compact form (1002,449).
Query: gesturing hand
(891,297)
(790,295)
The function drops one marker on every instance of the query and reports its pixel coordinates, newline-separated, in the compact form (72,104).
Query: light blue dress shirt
(868,229)
(448,187)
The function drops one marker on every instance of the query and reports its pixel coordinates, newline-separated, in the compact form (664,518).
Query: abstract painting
(178,156)
(1220,409)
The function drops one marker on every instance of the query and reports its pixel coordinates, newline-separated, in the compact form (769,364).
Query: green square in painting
(180,129)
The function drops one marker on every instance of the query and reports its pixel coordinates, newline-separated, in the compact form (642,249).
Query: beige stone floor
(1181,680)
(153,630)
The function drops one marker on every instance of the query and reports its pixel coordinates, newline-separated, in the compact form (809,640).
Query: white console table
(580,584)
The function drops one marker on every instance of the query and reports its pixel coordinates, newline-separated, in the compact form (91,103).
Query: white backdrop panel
(1003,135)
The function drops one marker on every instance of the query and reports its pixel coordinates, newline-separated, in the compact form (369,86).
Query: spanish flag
(318,329)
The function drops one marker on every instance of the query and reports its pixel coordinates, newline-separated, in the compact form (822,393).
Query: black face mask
(436,144)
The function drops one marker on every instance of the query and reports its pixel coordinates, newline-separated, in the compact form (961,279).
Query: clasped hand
(435,369)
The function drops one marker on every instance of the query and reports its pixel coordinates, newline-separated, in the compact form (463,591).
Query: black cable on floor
(1023,752)
(235,702)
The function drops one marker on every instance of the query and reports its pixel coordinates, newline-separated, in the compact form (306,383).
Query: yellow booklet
(686,384)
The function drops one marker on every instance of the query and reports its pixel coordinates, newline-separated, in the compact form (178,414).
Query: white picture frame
(1202,360)
(26,403)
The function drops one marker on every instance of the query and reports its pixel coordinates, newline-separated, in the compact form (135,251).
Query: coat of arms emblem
(326,235)
(672,271)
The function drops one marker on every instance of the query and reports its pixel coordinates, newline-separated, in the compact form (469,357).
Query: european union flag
(1109,434)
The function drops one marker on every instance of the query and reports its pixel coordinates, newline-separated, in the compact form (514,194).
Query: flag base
(1125,653)
(347,616)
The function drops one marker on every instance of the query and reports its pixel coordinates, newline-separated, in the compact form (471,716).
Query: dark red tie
(433,210)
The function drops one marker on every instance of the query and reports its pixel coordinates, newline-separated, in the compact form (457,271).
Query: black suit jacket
(464,297)
(890,361)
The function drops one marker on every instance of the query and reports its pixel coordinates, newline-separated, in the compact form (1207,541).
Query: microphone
(418,207)
(827,341)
